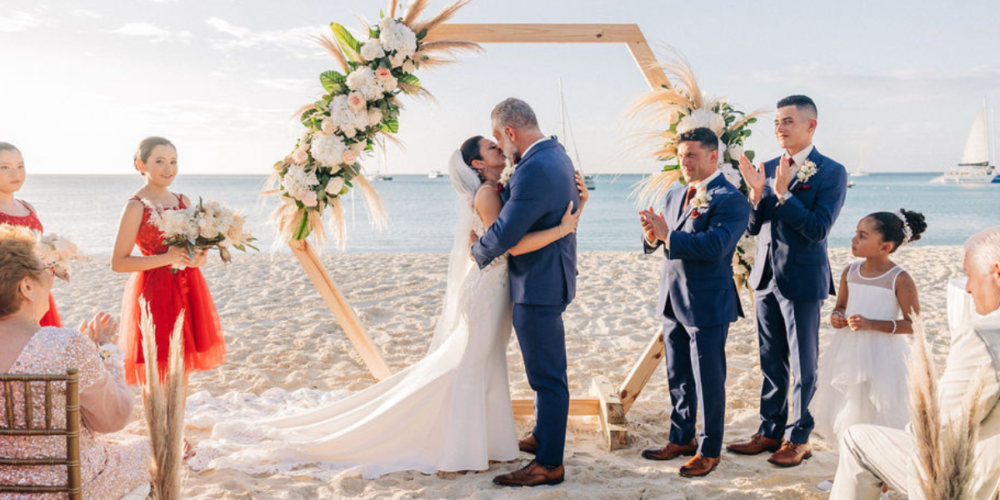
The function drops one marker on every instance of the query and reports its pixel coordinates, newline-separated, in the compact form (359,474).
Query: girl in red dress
(166,291)
(20,212)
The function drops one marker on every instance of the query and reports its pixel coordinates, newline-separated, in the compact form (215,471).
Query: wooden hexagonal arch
(609,402)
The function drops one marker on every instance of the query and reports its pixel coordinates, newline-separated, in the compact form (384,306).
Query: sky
(83,81)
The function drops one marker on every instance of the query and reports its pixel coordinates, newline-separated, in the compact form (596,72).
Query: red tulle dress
(31,221)
(167,292)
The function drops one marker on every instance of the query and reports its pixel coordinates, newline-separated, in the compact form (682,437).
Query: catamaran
(978,160)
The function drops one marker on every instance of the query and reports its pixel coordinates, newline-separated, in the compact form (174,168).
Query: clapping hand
(654,225)
(859,322)
(102,329)
(783,176)
(754,178)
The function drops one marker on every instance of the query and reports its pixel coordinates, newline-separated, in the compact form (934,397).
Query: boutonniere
(508,171)
(700,202)
(806,171)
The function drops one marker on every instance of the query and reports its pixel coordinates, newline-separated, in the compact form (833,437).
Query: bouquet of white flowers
(54,251)
(209,224)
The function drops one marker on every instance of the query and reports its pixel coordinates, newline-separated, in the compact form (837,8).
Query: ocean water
(422,210)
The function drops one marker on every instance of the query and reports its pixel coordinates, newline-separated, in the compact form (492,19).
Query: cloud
(297,42)
(290,84)
(19,21)
(89,14)
(153,32)
(213,119)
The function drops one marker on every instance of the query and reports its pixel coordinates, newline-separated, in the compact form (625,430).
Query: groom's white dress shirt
(872,454)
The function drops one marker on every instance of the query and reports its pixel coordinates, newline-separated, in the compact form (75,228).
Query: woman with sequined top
(111,465)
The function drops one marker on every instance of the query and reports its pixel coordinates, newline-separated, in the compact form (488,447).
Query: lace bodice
(150,239)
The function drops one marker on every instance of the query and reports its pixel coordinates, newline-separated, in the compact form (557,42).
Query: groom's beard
(510,151)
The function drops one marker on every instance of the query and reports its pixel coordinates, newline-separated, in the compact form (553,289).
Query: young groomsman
(698,230)
(796,198)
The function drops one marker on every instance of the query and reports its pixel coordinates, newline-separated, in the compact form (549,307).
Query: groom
(698,299)
(542,283)
(797,198)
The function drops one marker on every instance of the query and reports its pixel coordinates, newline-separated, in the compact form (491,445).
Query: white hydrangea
(298,182)
(732,175)
(328,149)
(363,80)
(372,50)
(398,38)
(177,224)
(347,119)
(702,118)
(735,152)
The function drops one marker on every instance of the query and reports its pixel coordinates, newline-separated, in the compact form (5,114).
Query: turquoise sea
(87,208)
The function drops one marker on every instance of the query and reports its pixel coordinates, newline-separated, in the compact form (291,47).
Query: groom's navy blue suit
(698,300)
(792,275)
(542,283)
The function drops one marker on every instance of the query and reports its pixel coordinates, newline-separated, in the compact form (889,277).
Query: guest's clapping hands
(654,225)
(754,178)
(859,322)
(783,176)
(102,329)
(837,319)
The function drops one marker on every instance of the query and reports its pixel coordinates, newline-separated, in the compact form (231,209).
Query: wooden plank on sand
(642,371)
(612,413)
(583,407)
(337,303)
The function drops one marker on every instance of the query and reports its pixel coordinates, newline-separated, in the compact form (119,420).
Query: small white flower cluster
(205,225)
(398,41)
(701,199)
(508,171)
(111,355)
(702,118)
(807,170)
(300,184)
(216,220)
(57,252)
(731,174)
(349,118)
(176,225)
(364,80)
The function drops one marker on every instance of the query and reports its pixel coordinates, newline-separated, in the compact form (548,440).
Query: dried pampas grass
(945,443)
(164,400)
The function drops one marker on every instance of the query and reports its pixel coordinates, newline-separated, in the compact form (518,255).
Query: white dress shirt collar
(707,180)
(800,157)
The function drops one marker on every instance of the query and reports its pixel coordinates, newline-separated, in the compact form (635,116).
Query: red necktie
(690,194)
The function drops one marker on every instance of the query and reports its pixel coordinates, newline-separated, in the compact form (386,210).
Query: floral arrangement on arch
(357,110)
(684,107)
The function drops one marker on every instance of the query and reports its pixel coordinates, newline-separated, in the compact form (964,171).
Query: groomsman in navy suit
(797,198)
(698,230)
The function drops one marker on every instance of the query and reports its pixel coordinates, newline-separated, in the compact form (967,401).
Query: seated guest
(871,455)
(111,465)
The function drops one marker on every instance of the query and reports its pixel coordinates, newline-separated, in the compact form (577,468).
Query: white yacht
(435,174)
(978,160)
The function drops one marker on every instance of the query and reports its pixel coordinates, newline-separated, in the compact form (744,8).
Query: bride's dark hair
(470,150)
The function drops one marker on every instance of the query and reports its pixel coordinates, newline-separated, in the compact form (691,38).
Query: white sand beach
(281,335)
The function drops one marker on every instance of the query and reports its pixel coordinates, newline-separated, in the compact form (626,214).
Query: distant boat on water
(860,172)
(978,164)
(435,174)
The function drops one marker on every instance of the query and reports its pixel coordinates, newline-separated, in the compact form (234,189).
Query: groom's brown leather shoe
(791,454)
(756,445)
(528,444)
(699,466)
(671,451)
(533,474)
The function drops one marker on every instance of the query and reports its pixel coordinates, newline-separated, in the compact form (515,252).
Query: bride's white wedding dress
(451,411)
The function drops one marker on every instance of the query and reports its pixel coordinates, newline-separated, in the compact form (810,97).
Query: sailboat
(588,180)
(976,166)
(859,172)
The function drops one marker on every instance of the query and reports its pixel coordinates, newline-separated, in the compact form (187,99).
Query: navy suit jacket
(793,234)
(535,199)
(697,275)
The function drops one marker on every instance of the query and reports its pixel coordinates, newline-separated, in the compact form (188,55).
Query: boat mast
(991,136)
(565,121)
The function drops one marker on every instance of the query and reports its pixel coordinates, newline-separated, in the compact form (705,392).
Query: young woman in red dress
(167,291)
(19,212)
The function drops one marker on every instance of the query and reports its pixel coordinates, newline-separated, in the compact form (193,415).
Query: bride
(451,411)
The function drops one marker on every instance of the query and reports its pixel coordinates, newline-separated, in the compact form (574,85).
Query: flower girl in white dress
(862,372)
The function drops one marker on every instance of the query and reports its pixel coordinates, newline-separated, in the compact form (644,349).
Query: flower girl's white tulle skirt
(862,380)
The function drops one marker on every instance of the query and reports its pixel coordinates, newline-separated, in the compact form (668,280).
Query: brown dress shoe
(533,474)
(699,466)
(671,451)
(791,454)
(528,444)
(756,445)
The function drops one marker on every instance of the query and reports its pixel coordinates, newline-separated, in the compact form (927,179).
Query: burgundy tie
(690,194)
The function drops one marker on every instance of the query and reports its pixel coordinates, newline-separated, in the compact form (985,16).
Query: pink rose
(383,73)
(356,101)
(310,199)
(300,156)
(329,127)
(350,157)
